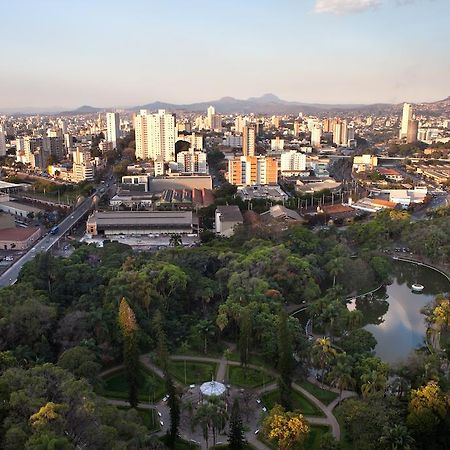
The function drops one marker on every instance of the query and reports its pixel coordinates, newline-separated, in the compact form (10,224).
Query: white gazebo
(212,388)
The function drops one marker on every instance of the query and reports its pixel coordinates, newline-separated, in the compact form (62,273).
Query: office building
(192,161)
(293,161)
(251,170)
(407,115)
(249,140)
(112,128)
(155,135)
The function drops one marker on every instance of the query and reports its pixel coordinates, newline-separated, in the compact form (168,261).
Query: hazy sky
(67,53)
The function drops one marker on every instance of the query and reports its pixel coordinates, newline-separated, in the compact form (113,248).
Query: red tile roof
(17,234)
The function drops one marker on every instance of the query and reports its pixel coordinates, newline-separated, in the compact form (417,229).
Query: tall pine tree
(128,327)
(285,362)
(173,403)
(236,440)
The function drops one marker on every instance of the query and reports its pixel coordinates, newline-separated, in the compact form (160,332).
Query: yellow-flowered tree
(129,328)
(286,429)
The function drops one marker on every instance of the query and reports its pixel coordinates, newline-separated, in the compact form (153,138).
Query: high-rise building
(406,117)
(276,144)
(54,146)
(297,125)
(276,121)
(155,135)
(249,140)
(82,168)
(112,128)
(239,124)
(195,139)
(2,140)
(293,160)
(316,135)
(214,121)
(340,133)
(211,113)
(252,170)
(192,161)
(412,132)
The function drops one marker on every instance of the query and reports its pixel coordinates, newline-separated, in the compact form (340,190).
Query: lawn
(299,403)
(151,387)
(181,444)
(323,395)
(248,378)
(196,372)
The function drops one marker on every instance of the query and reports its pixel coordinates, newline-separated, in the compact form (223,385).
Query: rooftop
(230,213)
(17,234)
(141,218)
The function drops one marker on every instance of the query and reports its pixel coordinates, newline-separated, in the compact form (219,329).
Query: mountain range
(271,104)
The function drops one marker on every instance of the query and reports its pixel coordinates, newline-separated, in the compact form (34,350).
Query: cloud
(340,7)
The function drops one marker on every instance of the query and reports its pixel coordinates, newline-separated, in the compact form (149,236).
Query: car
(72,217)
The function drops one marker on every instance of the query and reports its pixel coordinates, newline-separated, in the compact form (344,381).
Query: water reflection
(393,315)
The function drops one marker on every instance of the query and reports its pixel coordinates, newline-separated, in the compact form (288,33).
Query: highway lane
(48,241)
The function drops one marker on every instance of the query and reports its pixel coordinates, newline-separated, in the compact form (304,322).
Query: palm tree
(373,382)
(341,373)
(396,438)
(322,354)
(206,329)
(335,268)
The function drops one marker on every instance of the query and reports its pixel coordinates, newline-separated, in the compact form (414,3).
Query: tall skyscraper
(214,120)
(2,140)
(249,140)
(340,133)
(112,128)
(413,131)
(155,135)
(293,161)
(211,113)
(316,135)
(406,117)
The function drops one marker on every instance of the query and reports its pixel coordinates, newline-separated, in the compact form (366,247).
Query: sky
(67,53)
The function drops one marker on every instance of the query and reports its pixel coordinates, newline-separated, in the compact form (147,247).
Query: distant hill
(85,109)
(266,104)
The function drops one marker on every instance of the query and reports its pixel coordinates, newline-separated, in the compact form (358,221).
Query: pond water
(393,314)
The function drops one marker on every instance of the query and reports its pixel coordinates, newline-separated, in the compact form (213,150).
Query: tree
(285,428)
(175,240)
(286,361)
(429,414)
(341,373)
(322,354)
(236,440)
(173,402)
(335,268)
(396,437)
(81,361)
(245,335)
(128,327)
(206,329)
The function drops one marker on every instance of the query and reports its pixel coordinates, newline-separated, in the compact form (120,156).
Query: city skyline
(333,51)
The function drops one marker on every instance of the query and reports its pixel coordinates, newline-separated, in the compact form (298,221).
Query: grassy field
(196,372)
(322,394)
(299,403)
(151,387)
(248,378)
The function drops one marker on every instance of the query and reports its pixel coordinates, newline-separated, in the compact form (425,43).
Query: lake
(393,314)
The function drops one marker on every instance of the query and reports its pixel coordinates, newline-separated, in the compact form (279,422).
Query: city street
(47,241)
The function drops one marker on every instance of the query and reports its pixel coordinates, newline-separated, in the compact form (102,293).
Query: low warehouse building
(19,238)
(141,223)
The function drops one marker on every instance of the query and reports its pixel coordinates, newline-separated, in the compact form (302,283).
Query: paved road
(48,241)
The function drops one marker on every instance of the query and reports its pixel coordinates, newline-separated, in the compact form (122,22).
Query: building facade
(112,128)
(155,135)
(252,170)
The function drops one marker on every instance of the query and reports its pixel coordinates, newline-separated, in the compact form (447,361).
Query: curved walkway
(222,363)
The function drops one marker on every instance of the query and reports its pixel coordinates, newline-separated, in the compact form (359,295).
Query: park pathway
(222,365)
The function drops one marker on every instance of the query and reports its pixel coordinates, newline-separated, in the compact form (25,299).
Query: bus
(54,230)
